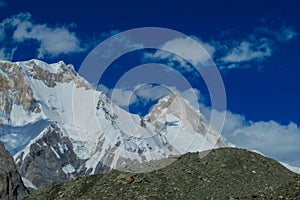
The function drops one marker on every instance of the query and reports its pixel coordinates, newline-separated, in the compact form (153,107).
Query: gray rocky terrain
(11,184)
(225,173)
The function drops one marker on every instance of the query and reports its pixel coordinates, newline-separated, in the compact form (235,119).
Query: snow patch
(61,148)
(292,168)
(68,169)
(28,183)
(92,164)
(56,154)
(20,117)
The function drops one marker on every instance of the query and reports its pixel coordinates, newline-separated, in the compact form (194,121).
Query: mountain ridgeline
(58,127)
(70,141)
(225,173)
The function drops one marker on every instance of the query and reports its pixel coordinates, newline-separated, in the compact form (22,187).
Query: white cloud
(3,55)
(2,34)
(149,92)
(274,140)
(53,40)
(257,47)
(120,97)
(14,20)
(247,51)
(193,50)
(283,34)
(7,54)
(227,54)
(193,96)
(109,33)
(119,42)
(123,97)
(286,34)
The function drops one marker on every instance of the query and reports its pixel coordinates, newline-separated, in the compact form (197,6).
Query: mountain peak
(101,135)
(31,65)
(54,68)
(172,108)
(22,81)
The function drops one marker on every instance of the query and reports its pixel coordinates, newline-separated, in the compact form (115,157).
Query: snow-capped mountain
(58,127)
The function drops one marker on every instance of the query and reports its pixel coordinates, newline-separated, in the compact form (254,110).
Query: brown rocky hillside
(225,173)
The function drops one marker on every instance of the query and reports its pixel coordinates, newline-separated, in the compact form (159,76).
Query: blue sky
(255,44)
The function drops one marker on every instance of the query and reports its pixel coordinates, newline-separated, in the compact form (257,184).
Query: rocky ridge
(225,173)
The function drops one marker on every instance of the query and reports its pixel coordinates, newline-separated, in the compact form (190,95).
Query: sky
(254,44)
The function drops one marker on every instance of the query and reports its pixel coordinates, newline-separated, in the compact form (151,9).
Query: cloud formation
(143,94)
(283,34)
(52,40)
(271,138)
(228,53)
(247,51)
(191,49)
(255,48)
(7,54)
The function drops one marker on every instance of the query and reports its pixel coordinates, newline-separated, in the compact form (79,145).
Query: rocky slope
(49,158)
(225,173)
(11,184)
(58,127)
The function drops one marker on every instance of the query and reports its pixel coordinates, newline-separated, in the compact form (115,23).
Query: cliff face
(49,159)
(11,184)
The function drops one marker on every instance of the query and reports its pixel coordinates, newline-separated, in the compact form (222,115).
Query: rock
(125,178)
(223,165)
(141,198)
(48,158)
(210,181)
(11,184)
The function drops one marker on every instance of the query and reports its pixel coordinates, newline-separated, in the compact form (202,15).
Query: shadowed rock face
(11,185)
(51,159)
(48,159)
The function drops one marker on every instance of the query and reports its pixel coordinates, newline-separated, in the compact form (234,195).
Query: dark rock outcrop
(51,159)
(11,184)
